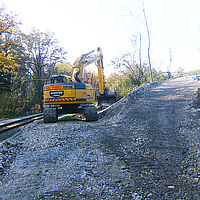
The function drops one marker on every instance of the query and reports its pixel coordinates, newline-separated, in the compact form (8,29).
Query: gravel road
(146,146)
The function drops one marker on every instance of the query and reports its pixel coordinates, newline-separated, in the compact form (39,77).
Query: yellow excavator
(71,95)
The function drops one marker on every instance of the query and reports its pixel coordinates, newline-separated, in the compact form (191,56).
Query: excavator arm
(94,56)
(79,65)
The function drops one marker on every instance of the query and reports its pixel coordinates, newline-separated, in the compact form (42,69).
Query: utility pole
(149,41)
(140,56)
(170,63)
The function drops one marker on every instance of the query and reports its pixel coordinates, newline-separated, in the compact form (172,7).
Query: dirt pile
(120,109)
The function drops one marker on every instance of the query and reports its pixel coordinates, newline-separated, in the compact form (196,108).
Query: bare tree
(128,66)
(143,20)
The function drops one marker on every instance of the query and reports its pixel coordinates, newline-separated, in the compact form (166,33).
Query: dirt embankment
(145,146)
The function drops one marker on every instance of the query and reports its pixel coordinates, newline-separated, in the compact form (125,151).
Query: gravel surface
(146,146)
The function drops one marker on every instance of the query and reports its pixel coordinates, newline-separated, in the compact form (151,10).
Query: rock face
(146,146)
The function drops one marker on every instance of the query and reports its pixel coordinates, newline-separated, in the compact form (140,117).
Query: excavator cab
(60,78)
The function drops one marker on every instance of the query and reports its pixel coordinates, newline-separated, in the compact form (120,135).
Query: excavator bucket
(106,99)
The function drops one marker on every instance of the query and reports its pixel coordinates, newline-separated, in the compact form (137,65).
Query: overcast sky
(83,25)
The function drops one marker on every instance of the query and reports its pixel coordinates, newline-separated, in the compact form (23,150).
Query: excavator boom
(94,56)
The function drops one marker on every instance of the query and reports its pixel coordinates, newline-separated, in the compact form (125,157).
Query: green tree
(137,73)
(44,53)
(120,84)
(63,68)
(130,75)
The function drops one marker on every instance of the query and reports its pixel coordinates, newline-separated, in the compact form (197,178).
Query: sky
(115,26)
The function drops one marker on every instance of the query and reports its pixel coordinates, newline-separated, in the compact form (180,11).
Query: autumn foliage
(26,61)
(9,32)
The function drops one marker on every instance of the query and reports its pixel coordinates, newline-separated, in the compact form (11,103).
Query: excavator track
(50,115)
(90,113)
